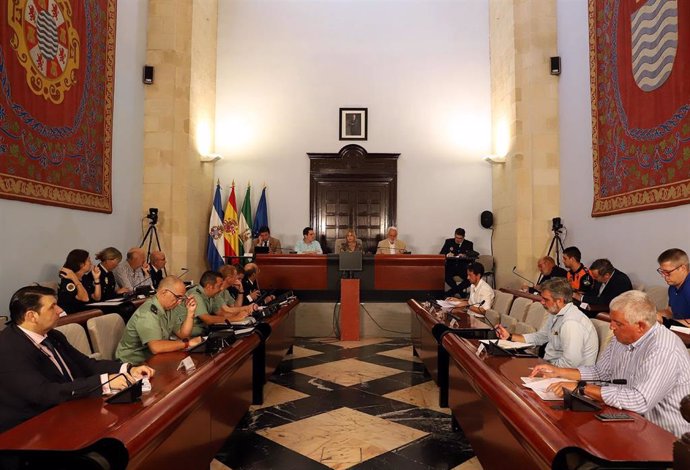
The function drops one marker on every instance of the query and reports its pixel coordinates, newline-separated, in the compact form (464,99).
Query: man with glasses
(570,337)
(162,324)
(673,267)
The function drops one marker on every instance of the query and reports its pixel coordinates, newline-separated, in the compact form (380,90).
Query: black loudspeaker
(487,219)
(148,74)
(555,65)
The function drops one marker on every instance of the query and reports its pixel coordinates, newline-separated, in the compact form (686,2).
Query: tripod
(557,243)
(151,233)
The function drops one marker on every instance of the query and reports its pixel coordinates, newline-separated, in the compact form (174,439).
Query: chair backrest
(3,322)
(519,308)
(604,333)
(536,315)
(502,302)
(487,261)
(493,316)
(659,295)
(76,336)
(523,328)
(106,332)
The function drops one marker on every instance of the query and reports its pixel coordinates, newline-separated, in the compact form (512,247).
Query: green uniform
(224,298)
(205,305)
(150,322)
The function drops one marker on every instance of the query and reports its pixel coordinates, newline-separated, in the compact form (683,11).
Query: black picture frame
(353,123)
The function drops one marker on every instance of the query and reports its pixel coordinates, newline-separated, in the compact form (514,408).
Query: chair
(522,328)
(604,333)
(502,302)
(659,295)
(516,314)
(106,332)
(493,316)
(488,262)
(76,336)
(3,322)
(536,315)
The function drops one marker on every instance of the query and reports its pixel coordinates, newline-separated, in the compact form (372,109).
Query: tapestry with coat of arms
(57,64)
(640,91)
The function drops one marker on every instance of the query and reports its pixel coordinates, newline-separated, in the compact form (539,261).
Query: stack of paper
(680,329)
(540,384)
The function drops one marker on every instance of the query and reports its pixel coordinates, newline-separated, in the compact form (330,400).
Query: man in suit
(40,369)
(250,283)
(391,245)
(609,283)
(265,239)
(457,250)
(157,262)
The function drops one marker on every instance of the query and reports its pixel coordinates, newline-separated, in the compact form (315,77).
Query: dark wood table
(180,424)
(428,326)
(508,425)
(590,311)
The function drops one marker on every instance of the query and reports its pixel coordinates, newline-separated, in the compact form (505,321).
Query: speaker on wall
(148,74)
(555,65)
(487,219)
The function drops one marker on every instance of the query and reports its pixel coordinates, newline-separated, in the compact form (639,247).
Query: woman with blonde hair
(351,243)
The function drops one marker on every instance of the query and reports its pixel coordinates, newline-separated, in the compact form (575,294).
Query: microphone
(183,273)
(610,382)
(476,304)
(521,277)
(78,393)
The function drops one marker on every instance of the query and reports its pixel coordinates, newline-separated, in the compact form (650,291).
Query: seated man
(479,291)
(610,283)
(208,310)
(570,337)
(578,276)
(229,302)
(652,359)
(134,272)
(40,369)
(456,250)
(157,266)
(265,239)
(391,245)
(161,324)
(548,270)
(308,245)
(673,266)
(250,284)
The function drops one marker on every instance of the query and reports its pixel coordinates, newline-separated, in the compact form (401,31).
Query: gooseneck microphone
(521,276)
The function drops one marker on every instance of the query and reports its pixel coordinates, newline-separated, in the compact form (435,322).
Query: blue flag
(261,217)
(215,252)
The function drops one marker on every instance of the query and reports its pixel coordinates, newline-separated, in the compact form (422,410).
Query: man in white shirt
(570,337)
(481,294)
(391,245)
(134,272)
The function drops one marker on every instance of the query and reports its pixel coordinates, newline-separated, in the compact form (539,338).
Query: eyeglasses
(665,273)
(180,298)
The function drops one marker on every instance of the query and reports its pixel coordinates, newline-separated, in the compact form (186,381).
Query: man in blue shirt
(673,267)
(309,243)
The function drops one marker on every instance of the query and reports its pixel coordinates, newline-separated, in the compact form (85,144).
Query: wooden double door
(353,189)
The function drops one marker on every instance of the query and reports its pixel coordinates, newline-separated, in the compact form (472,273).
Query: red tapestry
(57,62)
(640,69)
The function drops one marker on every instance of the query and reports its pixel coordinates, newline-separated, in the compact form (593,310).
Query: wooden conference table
(386,278)
(180,424)
(509,426)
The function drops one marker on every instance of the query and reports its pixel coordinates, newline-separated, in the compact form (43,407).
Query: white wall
(420,67)
(631,241)
(35,239)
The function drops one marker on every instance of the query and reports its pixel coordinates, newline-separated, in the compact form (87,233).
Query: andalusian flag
(230,227)
(246,223)
(215,252)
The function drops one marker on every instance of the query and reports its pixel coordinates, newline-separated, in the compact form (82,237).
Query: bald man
(250,283)
(157,261)
(162,324)
(134,271)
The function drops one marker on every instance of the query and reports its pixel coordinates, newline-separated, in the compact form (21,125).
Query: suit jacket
(156,276)
(31,383)
(384,246)
(619,283)
(273,245)
(450,246)
(249,286)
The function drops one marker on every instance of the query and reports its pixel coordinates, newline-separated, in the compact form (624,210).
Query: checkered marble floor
(348,405)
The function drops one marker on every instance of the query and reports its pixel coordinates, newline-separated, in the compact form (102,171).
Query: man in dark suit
(250,284)
(609,283)
(157,262)
(459,253)
(40,369)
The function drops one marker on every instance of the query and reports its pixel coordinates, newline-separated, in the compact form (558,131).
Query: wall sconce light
(495,159)
(211,158)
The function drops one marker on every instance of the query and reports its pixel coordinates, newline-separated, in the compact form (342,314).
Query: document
(540,384)
(680,329)
(505,344)
(446,304)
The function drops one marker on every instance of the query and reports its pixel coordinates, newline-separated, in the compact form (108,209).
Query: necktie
(63,368)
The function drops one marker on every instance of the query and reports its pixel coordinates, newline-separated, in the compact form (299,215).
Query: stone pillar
(525,129)
(179,125)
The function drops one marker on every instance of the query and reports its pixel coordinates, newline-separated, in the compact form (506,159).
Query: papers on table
(680,329)
(446,304)
(540,384)
(505,344)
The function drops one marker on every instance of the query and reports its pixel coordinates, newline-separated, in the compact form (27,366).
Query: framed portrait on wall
(353,123)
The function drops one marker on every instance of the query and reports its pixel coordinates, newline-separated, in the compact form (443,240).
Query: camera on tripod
(153,215)
(556,225)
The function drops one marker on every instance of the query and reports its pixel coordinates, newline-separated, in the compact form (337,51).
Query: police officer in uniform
(457,250)
(73,294)
(109,259)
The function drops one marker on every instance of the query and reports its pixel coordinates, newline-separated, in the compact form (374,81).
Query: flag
(261,218)
(246,223)
(215,252)
(230,227)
